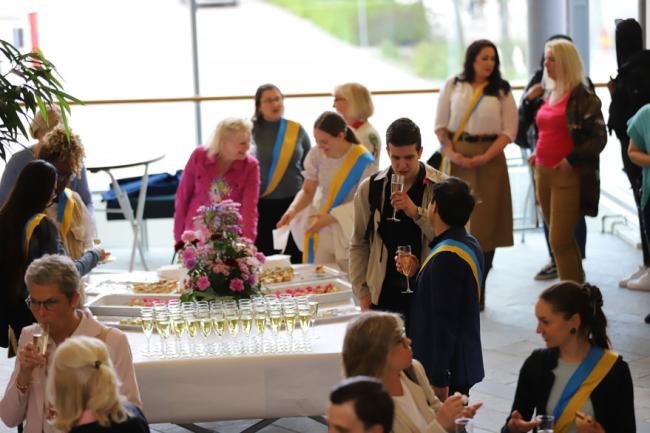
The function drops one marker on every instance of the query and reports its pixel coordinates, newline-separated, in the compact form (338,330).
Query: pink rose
(188,236)
(203,283)
(237,285)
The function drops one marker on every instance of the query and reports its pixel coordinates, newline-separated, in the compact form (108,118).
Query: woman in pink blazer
(218,171)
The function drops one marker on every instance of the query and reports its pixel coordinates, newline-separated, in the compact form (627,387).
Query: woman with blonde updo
(221,170)
(353,102)
(83,391)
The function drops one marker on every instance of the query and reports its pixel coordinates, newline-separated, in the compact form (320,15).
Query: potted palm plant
(28,83)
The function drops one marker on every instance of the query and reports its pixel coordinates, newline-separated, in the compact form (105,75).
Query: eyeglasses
(35,305)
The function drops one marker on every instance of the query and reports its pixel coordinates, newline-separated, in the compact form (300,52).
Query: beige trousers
(558,193)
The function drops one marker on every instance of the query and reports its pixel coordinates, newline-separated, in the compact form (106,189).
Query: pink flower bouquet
(220,262)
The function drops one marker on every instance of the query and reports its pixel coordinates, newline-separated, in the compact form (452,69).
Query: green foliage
(429,59)
(402,24)
(29,85)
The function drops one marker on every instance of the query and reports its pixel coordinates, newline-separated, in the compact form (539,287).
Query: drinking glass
(163,326)
(205,324)
(178,329)
(40,340)
(545,423)
(218,323)
(396,185)
(463,425)
(304,317)
(405,250)
(289,313)
(313,313)
(147,322)
(192,324)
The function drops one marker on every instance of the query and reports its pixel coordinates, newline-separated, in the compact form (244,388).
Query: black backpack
(632,91)
(374,199)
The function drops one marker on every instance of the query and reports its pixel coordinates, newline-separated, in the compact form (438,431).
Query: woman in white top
(334,167)
(353,102)
(477,156)
(375,345)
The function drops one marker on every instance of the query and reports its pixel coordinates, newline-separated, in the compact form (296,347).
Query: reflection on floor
(508,328)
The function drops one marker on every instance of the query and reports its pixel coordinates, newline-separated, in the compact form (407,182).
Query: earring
(573,331)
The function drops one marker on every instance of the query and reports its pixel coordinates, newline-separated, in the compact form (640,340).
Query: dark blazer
(613,398)
(444,317)
(45,240)
(136,423)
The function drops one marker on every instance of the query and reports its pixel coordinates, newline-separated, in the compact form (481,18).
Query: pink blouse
(243,178)
(554,141)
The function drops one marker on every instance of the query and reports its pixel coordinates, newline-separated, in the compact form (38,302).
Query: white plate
(119,304)
(337,314)
(116,322)
(343,293)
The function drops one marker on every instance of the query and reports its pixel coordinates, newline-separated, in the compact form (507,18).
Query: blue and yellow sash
(283,148)
(64,211)
(591,371)
(345,179)
(464,252)
(28,231)
(445,164)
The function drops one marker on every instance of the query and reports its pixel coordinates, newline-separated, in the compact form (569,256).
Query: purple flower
(237,285)
(261,257)
(252,280)
(203,283)
(189,264)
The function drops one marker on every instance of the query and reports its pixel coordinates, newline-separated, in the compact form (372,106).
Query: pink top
(29,407)
(243,178)
(554,141)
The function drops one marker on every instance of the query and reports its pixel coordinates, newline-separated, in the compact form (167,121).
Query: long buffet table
(271,385)
(251,386)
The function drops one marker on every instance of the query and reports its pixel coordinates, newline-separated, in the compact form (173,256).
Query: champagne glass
(405,251)
(40,339)
(545,423)
(205,325)
(260,321)
(147,323)
(218,322)
(396,185)
(463,425)
(246,322)
(163,325)
(313,313)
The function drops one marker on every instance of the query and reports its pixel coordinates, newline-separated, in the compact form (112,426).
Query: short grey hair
(54,269)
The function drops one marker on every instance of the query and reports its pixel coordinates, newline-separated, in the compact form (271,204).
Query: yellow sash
(445,165)
(461,251)
(282,155)
(32,223)
(64,212)
(353,166)
(582,394)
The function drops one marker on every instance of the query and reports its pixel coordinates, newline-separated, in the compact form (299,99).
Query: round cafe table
(125,205)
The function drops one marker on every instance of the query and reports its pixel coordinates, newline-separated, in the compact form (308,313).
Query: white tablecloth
(251,386)
(247,386)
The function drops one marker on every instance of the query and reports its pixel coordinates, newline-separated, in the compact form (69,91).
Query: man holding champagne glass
(444,314)
(390,212)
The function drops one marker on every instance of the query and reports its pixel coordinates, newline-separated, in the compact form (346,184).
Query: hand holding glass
(396,185)
(405,250)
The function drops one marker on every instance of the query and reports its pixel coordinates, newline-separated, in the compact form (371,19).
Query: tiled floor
(508,328)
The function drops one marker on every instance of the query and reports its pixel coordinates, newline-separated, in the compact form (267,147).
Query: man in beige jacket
(375,280)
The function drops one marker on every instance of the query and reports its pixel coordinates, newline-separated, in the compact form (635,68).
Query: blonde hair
(360,104)
(57,147)
(569,71)
(82,378)
(41,125)
(368,342)
(229,125)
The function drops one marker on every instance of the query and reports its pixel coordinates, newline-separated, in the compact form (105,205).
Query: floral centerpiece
(220,261)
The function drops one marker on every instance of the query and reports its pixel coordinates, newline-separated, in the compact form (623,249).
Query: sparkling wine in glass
(396,185)
(545,423)
(147,323)
(405,250)
(40,339)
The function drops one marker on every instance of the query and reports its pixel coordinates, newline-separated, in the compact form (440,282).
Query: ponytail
(598,330)
(569,298)
(333,124)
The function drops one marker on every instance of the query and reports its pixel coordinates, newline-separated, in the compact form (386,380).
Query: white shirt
(494,115)
(369,137)
(408,406)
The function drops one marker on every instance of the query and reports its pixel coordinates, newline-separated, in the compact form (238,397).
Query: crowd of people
(452,213)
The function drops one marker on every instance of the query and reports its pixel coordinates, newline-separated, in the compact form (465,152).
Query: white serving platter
(344,292)
(119,304)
